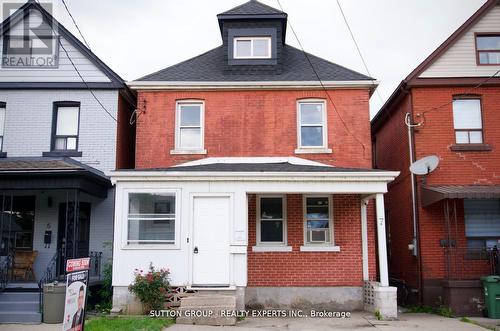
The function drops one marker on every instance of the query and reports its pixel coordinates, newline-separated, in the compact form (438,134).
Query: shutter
(482,217)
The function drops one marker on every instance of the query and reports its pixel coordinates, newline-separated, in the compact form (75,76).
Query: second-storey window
(252,47)
(65,134)
(189,131)
(467,121)
(488,49)
(317,220)
(271,220)
(312,124)
(2,123)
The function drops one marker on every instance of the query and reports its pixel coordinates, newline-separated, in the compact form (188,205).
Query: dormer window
(252,47)
(488,49)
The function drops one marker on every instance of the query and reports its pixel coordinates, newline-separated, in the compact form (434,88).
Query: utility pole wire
(76,25)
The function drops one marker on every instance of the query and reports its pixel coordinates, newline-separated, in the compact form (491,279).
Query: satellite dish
(425,165)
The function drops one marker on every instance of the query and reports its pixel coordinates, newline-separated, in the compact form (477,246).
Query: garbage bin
(491,285)
(53,302)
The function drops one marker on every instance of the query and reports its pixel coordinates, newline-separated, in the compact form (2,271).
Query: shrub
(152,287)
(106,291)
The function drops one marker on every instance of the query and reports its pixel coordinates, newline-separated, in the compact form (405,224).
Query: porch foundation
(327,298)
(381,299)
(125,302)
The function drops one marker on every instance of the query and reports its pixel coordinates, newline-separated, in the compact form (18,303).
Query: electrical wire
(76,25)
(322,85)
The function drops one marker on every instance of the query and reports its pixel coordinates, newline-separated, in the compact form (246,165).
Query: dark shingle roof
(252,8)
(258,167)
(210,66)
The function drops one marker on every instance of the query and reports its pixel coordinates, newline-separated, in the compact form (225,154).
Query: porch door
(73,242)
(211,217)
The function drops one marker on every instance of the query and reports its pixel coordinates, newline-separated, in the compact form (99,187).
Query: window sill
(187,151)
(150,247)
(313,151)
(62,153)
(471,148)
(320,248)
(271,248)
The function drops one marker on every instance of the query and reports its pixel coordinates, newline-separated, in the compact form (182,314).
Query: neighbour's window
(482,223)
(66,118)
(271,220)
(312,124)
(488,49)
(189,125)
(252,47)
(467,121)
(151,218)
(317,220)
(2,123)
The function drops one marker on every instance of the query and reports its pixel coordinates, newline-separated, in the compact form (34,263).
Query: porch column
(364,239)
(381,239)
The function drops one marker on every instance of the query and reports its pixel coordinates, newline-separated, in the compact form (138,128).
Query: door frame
(190,245)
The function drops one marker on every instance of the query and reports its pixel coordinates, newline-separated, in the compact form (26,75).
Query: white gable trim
(254,160)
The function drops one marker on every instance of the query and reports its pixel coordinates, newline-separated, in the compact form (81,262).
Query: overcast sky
(138,37)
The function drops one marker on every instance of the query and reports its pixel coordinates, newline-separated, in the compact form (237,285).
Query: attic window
(488,49)
(252,48)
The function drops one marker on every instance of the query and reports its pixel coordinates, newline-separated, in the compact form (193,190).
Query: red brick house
(451,101)
(254,179)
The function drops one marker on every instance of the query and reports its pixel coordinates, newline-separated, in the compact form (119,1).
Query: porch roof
(36,173)
(433,194)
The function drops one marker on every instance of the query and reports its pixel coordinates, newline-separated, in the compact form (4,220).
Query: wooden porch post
(381,239)
(364,239)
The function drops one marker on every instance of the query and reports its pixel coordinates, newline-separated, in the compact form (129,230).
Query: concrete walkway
(358,321)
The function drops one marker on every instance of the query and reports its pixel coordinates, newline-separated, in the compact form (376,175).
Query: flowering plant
(151,287)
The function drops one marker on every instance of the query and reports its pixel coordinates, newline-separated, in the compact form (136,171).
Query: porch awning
(433,194)
(43,173)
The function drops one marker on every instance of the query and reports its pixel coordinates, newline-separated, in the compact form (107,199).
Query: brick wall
(252,123)
(297,268)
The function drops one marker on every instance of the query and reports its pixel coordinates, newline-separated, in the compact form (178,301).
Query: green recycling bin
(491,285)
(54,295)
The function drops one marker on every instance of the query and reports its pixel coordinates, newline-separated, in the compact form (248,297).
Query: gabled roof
(251,7)
(23,11)
(211,67)
(412,78)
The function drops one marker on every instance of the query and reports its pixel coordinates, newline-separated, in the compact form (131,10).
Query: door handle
(195,250)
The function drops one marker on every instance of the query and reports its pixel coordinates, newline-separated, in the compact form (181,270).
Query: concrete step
(19,296)
(206,310)
(20,317)
(20,306)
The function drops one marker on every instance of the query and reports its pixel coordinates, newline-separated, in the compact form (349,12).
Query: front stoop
(206,310)
(20,307)
(380,299)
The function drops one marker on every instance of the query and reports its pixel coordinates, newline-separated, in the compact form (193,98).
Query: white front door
(211,224)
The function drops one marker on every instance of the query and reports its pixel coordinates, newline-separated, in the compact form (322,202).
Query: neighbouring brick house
(56,142)
(254,181)
(452,103)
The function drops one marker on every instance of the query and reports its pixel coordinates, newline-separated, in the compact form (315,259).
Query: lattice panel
(368,294)
(175,297)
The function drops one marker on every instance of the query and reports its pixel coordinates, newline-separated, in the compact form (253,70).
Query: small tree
(152,287)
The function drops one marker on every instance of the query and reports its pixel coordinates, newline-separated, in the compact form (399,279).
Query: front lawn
(127,324)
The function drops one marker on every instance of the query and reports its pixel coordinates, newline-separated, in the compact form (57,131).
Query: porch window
(66,126)
(151,218)
(271,225)
(311,129)
(317,220)
(17,220)
(467,121)
(2,123)
(488,49)
(482,223)
(189,131)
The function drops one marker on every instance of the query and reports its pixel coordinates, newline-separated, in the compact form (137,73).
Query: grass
(127,324)
(441,310)
(467,320)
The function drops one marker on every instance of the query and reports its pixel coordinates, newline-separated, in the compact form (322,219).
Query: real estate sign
(76,293)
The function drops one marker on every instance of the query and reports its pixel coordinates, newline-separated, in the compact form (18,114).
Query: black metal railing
(5,267)
(95,264)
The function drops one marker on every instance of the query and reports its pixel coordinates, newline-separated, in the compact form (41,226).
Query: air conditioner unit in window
(318,235)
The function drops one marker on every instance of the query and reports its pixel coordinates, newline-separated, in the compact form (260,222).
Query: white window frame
(251,39)
(330,221)
(3,107)
(177,219)
(468,131)
(258,221)
(194,150)
(324,126)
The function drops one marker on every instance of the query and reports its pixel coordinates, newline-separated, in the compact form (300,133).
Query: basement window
(252,47)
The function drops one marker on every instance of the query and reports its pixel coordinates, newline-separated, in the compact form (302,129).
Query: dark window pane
(318,224)
(146,203)
(271,208)
(271,231)
(317,208)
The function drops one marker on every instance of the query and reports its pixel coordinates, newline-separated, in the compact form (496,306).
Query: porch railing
(5,266)
(466,263)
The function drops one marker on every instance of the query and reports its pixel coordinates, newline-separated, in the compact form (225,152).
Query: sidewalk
(360,321)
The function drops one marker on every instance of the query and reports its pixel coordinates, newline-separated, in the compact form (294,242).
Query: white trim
(216,85)
(251,39)
(381,240)
(201,288)
(263,248)
(324,124)
(178,105)
(253,160)
(188,151)
(177,231)
(331,242)
(310,248)
(258,220)
(304,150)
(364,239)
